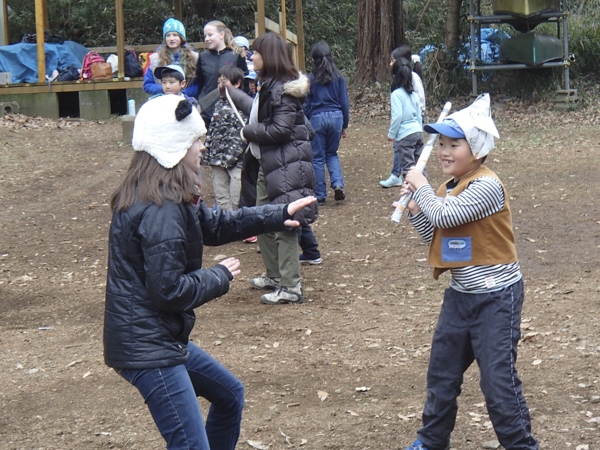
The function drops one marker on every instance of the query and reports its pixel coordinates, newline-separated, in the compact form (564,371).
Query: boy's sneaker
(339,193)
(418,445)
(284,295)
(305,260)
(392,181)
(321,202)
(264,282)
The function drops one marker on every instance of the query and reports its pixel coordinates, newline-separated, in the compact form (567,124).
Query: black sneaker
(321,202)
(339,193)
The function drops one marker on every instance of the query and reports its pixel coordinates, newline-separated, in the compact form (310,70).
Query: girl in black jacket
(156,279)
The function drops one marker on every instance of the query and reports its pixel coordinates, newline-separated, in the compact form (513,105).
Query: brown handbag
(101,71)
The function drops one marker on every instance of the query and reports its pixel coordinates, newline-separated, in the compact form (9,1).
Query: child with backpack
(405,130)
(224,145)
(174,51)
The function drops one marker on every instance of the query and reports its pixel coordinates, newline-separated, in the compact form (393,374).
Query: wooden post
(178,10)
(4,39)
(283,21)
(45,12)
(120,39)
(39,30)
(260,13)
(300,34)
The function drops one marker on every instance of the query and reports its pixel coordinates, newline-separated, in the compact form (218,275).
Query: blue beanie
(173,25)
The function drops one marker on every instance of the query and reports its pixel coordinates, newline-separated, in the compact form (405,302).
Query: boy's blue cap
(251,75)
(448,127)
(173,25)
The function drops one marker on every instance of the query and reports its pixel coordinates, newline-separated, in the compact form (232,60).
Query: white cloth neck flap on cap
(477,124)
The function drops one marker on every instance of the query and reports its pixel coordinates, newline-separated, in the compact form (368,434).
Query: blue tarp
(21,59)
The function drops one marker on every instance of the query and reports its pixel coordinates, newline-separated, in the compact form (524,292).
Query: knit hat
(473,123)
(173,25)
(176,67)
(166,127)
(241,41)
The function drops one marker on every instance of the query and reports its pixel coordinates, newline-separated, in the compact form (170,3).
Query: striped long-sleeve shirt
(483,197)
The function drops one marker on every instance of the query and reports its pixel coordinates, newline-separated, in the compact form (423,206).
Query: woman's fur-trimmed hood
(299,88)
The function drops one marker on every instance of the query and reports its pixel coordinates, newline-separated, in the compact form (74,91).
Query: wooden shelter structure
(92,92)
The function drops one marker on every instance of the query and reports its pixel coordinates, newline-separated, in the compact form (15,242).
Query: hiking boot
(284,295)
(392,181)
(264,282)
(339,193)
(305,260)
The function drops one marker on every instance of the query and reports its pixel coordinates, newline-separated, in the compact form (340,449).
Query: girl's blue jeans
(171,395)
(328,132)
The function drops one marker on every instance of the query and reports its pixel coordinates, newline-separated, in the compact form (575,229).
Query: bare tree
(452,38)
(380,30)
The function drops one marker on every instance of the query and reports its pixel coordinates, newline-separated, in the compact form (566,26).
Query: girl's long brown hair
(277,62)
(146,180)
(187,59)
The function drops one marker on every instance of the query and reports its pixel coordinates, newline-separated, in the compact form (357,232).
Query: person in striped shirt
(468,225)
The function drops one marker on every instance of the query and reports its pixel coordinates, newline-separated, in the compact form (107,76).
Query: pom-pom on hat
(473,123)
(173,25)
(166,127)
(241,41)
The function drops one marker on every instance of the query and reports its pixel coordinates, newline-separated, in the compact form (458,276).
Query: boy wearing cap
(468,225)
(173,82)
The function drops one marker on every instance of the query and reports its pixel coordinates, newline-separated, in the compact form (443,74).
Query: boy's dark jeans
(308,242)
(485,328)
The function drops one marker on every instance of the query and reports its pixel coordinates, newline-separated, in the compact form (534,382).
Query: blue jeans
(171,395)
(407,152)
(328,132)
(483,328)
(308,242)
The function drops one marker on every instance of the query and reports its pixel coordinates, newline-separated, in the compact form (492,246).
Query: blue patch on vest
(456,249)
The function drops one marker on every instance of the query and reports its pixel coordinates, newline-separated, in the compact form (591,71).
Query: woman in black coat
(279,135)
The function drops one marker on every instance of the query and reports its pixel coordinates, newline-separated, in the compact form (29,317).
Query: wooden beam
(274,26)
(120,39)
(39,30)
(300,35)
(70,86)
(283,19)
(260,17)
(178,10)
(4,38)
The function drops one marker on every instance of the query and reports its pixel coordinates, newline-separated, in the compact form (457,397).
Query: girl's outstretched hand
(296,206)
(233,265)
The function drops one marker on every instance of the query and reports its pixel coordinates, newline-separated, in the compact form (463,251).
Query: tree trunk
(378,25)
(452,38)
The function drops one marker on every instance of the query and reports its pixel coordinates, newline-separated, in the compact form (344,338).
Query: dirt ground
(344,370)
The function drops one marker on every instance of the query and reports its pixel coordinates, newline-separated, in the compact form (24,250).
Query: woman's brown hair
(277,62)
(150,182)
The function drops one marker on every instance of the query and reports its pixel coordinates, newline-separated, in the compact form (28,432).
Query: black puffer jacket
(284,134)
(155,276)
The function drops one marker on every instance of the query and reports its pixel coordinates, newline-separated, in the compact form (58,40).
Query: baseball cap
(241,41)
(251,75)
(448,127)
(176,67)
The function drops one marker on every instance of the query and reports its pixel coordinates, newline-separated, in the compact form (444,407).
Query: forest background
(360,48)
